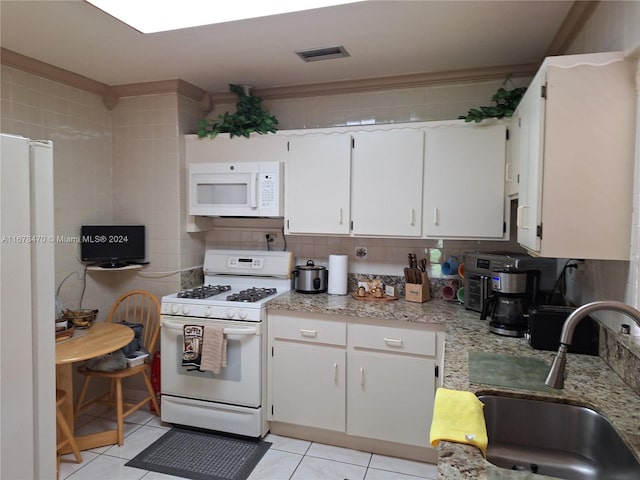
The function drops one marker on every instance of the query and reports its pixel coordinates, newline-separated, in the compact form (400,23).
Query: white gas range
(238,284)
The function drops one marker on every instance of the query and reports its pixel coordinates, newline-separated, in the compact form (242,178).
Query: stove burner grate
(204,291)
(251,294)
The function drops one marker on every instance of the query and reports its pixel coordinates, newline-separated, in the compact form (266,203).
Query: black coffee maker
(513,292)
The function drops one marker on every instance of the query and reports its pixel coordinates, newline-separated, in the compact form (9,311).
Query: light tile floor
(287,459)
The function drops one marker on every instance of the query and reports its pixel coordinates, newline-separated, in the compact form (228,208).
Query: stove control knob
(185,309)
(242,313)
(207,312)
(174,309)
(230,312)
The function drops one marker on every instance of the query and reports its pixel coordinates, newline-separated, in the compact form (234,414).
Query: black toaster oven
(545,326)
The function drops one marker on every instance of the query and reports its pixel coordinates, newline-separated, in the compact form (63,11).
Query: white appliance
(27,309)
(243,189)
(238,284)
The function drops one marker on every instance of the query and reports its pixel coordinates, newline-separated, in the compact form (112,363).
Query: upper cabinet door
(576,177)
(530,115)
(464,181)
(386,190)
(317,181)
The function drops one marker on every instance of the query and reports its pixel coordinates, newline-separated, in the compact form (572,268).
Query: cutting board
(502,370)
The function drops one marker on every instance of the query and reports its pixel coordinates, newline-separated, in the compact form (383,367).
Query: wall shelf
(119,269)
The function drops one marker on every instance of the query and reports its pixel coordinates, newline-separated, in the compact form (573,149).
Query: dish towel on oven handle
(205,348)
(214,349)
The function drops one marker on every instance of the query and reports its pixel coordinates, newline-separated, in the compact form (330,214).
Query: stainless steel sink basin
(554,439)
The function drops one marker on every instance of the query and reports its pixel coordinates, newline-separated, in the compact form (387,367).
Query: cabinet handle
(362,376)
(393,342)
(340,217)
(436,216)
(335,373)
(412,218)
(308,333)
(507,174)
(519,217)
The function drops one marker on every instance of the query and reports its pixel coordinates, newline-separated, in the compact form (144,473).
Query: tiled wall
(146,185)
(80,127)
(440,102)
(120,166)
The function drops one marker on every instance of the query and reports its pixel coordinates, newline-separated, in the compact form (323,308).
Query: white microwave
(242,189)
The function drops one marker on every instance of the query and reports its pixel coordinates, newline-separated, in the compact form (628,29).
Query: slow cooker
(310,278)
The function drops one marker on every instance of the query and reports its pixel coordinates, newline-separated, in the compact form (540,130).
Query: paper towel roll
(338,272)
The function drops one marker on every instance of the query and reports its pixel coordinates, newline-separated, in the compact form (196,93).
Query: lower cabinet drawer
(376,337)
(314,330)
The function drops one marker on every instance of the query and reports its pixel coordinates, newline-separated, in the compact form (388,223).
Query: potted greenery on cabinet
(248,118)
(505,101)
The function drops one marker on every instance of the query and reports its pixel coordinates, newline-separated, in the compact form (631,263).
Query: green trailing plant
(248,118)
(505,101)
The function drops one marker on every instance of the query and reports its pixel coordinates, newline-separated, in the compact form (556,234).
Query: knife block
(419,293)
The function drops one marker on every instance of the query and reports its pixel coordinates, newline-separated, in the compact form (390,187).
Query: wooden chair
(67,437)
(137,306)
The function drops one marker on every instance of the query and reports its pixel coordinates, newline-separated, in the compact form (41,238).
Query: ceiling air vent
(315,54)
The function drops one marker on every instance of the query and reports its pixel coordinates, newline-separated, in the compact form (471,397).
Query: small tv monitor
(112,246)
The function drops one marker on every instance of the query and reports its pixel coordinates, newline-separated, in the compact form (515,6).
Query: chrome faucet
(555,379)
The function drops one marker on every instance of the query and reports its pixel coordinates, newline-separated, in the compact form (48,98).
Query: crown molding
(111,94)
(578,15)
(51,72)
(392,82)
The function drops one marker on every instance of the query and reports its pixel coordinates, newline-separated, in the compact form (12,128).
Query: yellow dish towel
(458,417)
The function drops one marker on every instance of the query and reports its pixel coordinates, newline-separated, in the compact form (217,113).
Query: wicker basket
(80,318)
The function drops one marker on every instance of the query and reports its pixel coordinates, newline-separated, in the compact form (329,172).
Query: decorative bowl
(81,318)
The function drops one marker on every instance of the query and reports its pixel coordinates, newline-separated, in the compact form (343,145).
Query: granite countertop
(589,381)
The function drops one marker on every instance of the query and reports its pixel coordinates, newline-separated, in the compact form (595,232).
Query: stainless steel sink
(555,439)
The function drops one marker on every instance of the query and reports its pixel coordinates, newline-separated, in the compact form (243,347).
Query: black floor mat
(201,455)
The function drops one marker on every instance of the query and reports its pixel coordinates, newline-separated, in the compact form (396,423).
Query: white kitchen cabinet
(464,181)
(386,183)
(390,397)
(516,143)
(576,177)
(367,379)
(317,184)
(307,371)
(309,385)
(391,370)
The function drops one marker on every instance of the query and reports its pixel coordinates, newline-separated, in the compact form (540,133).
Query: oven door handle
(240,331)
(227,331)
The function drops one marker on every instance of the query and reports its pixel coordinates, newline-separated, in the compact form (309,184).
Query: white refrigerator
(27,310)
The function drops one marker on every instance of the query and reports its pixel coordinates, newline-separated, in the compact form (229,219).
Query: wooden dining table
(99,339)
